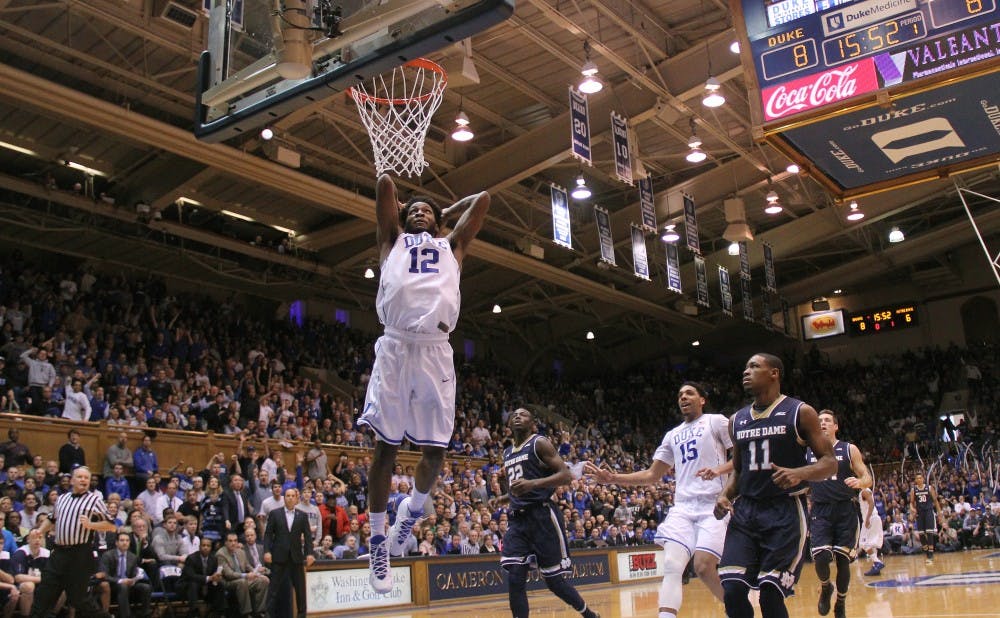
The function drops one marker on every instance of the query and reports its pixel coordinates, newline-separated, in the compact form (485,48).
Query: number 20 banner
(579,114)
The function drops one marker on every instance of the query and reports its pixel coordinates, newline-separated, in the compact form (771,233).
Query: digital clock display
(883,319)
(879,37)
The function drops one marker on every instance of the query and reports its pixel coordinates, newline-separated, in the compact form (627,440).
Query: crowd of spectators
(129,353)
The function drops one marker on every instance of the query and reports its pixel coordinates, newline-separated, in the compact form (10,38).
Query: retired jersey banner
(623,154)
(744,259)
(701,275)
(673,269)
(691,225)
(646,205)
(725,291)
(746,295)
(769,281)
(604,235)
(560,217)
(639,258)
(579,114)
(786,317)
(765,303)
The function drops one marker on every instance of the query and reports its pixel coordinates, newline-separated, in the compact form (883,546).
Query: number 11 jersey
(766,439)
(689,447)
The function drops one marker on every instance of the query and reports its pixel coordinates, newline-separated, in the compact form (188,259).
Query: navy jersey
(922,498)
(767,439)
(521,461)
(834,489)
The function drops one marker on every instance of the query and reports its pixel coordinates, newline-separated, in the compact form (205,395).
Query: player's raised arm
(472,210)
(386,215)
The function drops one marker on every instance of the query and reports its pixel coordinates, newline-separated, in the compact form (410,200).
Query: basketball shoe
(400,531)
(379,573)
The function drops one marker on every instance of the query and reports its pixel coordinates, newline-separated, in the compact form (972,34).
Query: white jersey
(689,447)
(418,290)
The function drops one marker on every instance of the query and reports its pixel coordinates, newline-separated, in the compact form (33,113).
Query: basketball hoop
(396,110)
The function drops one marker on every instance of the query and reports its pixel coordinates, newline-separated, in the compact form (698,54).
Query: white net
(397,109)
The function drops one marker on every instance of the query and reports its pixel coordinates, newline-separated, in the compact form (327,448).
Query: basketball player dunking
(411,393)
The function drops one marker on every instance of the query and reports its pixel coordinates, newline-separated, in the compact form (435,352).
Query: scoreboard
(871,94)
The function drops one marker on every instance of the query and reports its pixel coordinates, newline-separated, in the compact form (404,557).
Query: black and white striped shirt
(69,507)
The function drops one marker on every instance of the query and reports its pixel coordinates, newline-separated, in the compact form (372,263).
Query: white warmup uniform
(690,447)
(871,537)
(411,393)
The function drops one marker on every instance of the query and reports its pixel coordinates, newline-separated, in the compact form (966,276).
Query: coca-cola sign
(819,89)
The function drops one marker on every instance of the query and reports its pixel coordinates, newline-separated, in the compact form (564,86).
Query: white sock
(417,500)
(378,523)
(667,615)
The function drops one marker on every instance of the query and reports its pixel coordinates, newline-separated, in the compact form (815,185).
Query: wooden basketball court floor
(959,585)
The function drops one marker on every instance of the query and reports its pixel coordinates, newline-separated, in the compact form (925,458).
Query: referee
(71,563)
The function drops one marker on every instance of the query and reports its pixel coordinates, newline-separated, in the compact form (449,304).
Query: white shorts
(871,537)
(411,393)
(693,526)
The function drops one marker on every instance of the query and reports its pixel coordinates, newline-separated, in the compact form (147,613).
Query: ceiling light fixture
(734,47)
(590,335)
(266,133)
(734,248)
(855,214)
(86,170)
(696,343)
(581,191)
(896,235)
(793,168)
(773,206)
(497,309)
(16,148)
(713,95)
(237,215)
(462,132)
(696,155)
(369,273)
(591,83)
(670,234)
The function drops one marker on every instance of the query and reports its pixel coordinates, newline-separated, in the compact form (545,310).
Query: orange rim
(418,63)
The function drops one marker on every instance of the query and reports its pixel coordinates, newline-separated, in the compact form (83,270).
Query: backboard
(267,58)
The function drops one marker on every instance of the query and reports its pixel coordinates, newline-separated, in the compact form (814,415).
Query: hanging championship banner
(673,269)
(691,226)
(769,281)
(786,318)
(623,155)
(560,217)
(747,297)
(579,115)
(646,205)
(726,291)
(744,259)
(765,302)
(701,276)
(604,235)
(639,260)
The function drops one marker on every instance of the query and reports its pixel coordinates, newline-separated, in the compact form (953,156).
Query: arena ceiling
(110,83)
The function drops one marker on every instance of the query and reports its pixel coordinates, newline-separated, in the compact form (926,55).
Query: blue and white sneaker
(400,531)
(379,572)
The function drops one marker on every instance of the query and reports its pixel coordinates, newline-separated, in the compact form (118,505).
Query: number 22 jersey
(689,447)
(418,291)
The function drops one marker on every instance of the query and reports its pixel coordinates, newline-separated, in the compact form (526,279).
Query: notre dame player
(923,503)
(536,533)
(834,520)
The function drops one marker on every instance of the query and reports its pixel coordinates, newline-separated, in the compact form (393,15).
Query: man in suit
(254,550)
(235,505)
(287,545)
(201,579)
(120,575)
(245,585)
